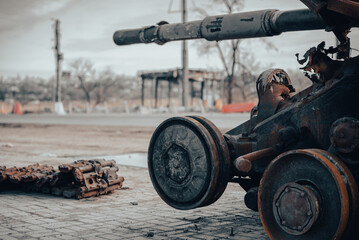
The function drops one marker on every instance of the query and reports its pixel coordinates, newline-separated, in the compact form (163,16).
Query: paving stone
(7,237)
(40,216)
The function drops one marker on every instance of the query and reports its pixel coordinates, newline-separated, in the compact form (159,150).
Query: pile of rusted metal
(81,179)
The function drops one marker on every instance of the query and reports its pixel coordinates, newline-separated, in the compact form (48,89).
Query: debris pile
(81,179)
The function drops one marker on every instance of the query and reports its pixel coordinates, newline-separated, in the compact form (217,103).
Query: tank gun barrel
(231,26)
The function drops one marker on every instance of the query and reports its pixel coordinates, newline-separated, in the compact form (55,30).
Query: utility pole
(184,76)
(59,108)
(58,58)
(185,84)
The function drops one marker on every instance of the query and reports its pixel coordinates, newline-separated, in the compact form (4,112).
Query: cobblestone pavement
(133,213)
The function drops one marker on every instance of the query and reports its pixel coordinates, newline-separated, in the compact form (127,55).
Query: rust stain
(83,178)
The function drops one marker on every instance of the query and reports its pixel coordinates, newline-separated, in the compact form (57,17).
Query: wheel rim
(320,179)
(183,163)
(224,157)
(352,189)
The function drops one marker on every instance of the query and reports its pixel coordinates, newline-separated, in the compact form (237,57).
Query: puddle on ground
(130,159)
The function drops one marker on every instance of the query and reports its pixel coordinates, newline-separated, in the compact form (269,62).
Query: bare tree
(230,48)
(106,80)
(233,55)
(84,72)
(25,89)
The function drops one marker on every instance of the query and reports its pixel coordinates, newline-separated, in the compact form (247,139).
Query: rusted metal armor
(297,157)
(81,179)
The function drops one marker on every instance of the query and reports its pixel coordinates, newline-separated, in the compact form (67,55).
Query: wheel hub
(295,208)
(177,163)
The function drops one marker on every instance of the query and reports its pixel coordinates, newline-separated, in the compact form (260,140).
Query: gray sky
(88,25)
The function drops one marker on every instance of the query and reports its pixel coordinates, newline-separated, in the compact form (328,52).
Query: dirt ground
(23,144)
(131,213)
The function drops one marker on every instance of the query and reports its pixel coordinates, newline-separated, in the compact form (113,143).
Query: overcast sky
(88,25)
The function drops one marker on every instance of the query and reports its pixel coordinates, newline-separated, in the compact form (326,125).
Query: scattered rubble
(150,234)
(81,179)
(232,232)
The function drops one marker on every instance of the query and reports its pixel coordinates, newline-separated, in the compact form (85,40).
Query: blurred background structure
(98,76)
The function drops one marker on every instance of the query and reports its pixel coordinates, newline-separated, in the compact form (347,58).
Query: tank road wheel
(225,173)
(307,194)
(352,189)
(183,163)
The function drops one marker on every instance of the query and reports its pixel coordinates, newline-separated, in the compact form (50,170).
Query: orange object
(2,111)
(237,107)
(219,103)
(17,109)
